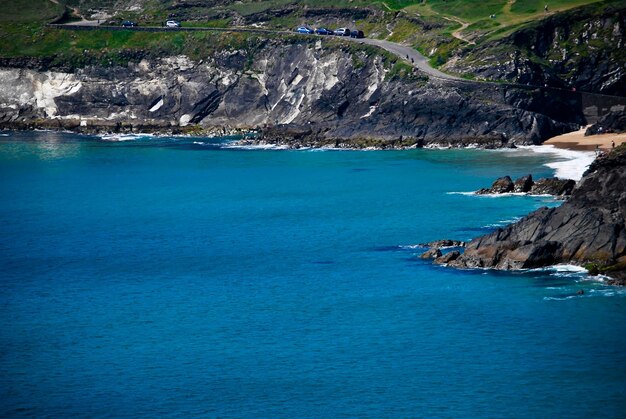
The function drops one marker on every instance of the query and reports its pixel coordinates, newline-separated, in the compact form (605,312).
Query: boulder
(433,253)
(501,185)
(523,184)
(553,186)
(448,257)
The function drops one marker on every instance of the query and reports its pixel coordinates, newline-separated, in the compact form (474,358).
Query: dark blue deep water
(163,277)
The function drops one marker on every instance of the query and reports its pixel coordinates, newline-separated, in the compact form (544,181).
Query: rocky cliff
(329,92)
(588,230)
(584,48)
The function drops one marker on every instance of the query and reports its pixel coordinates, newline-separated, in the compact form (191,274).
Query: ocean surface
(187,277)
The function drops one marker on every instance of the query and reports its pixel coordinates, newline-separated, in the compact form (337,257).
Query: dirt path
(457,34)
(82,22)
(506,10)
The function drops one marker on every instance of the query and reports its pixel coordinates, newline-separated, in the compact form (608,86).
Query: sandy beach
(577,141)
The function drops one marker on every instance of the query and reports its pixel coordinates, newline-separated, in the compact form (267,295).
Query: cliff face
(584,48)
(339,92)
(589,228)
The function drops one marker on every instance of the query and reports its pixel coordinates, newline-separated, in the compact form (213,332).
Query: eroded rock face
(581,48)
(448,257)
(523,184)
(433,253)
(440,244)
(553,186)
(613,122)
(326,95)
(501,185)
(590,227)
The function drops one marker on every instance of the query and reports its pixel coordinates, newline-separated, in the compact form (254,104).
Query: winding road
(408,54)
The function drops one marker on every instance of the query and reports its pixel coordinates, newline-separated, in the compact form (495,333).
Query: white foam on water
(502,195)
(5,135)
(571,164)
(569,297)
(510,220)
(462,193)
(411,246)
(255,146)
(565,268)
(124,137)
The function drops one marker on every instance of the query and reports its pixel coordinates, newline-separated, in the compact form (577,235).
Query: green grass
(213,23)
(16,11)
(469,11)
(412,22)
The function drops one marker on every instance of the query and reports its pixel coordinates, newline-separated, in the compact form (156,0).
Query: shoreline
(577,141)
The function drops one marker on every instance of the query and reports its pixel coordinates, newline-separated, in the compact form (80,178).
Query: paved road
(406,53)
(409,54)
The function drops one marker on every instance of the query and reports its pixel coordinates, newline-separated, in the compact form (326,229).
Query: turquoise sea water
(181,277)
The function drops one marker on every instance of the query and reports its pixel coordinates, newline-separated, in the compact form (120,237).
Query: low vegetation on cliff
(517,41)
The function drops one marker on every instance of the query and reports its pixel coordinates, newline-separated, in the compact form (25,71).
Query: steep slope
(584,48)
(588,229)
(339,92)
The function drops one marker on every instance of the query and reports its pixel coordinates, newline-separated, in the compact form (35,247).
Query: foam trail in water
(255,146)
(124,137)
(571,164)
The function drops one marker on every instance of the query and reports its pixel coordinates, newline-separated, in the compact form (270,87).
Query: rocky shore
(315,95)
(526,185)
(588,230)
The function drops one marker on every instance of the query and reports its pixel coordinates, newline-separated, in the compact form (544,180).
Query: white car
(172,24)
(342,32)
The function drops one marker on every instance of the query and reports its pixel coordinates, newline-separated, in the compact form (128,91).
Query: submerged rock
(589,228)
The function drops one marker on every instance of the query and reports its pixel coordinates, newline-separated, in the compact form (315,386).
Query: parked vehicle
(305,29)
(323,31)
(128,24)
(342,32)
(357,34)
(172,24)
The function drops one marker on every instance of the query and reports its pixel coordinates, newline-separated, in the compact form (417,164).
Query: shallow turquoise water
(161,277)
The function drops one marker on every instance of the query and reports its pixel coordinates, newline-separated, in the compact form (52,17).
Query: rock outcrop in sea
(525,184)
(589,229)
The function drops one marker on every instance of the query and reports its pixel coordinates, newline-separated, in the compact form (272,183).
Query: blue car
(323,31)
(304,29)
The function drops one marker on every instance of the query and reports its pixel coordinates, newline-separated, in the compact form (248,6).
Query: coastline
(577,140)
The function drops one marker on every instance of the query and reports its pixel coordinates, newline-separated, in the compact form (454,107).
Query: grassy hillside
(438,28)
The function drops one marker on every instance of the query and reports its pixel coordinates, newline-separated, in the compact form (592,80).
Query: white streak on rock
(184,120)
(370,113)
(157,106)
